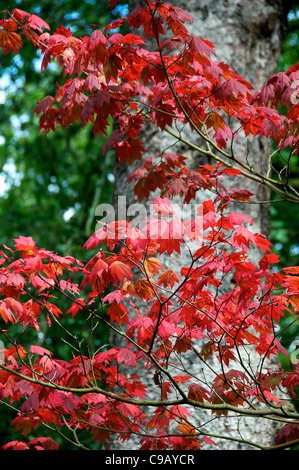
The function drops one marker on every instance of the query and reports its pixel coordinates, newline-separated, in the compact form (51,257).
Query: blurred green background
(50,186)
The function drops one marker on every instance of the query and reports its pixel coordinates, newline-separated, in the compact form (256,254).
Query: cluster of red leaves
(113,76)
(10,40)
(109,72)
(81,392)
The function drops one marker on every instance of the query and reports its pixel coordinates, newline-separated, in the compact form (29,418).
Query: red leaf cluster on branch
(113,76)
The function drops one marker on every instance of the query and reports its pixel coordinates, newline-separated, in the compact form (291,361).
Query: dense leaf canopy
(100,77)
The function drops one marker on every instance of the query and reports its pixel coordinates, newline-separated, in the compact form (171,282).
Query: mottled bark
(247,35)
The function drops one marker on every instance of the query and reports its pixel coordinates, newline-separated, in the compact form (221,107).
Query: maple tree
(107,76)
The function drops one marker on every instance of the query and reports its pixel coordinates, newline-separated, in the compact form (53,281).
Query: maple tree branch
(157,365)
(224,379)
(250,173)
(75,442)
(267,413)
(199,432)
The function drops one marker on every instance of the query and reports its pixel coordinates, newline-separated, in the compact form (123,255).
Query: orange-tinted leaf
(10,41)
(15,351)
(208,350)
(294,301)
(10,25)
(144,289)
(120,271)
(5,312)
(215,120)
(292,270)
(152,266)
(186,428)
(292,283)
(168,278)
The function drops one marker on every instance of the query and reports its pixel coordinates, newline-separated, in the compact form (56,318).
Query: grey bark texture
(247,35)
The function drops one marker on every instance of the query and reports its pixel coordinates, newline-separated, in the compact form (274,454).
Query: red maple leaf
(35,22)
(152,266)
(160,419)
(10,25)
(127,356)
(45,443)
(130,150)
(25,244)
(202,46)
(114,25)
(120,271)
(20,14)
(44,105)
(142,17)
(15,445)
(116,79)
(91,82)
(289,433)
(111,67)
(198,393)
(170,245)
(177,14)
(177,186)
(40,350)
(96,38)
(5,312)
(118,313)
(232,91)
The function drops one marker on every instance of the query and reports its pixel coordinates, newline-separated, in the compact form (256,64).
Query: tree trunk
(247,35)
